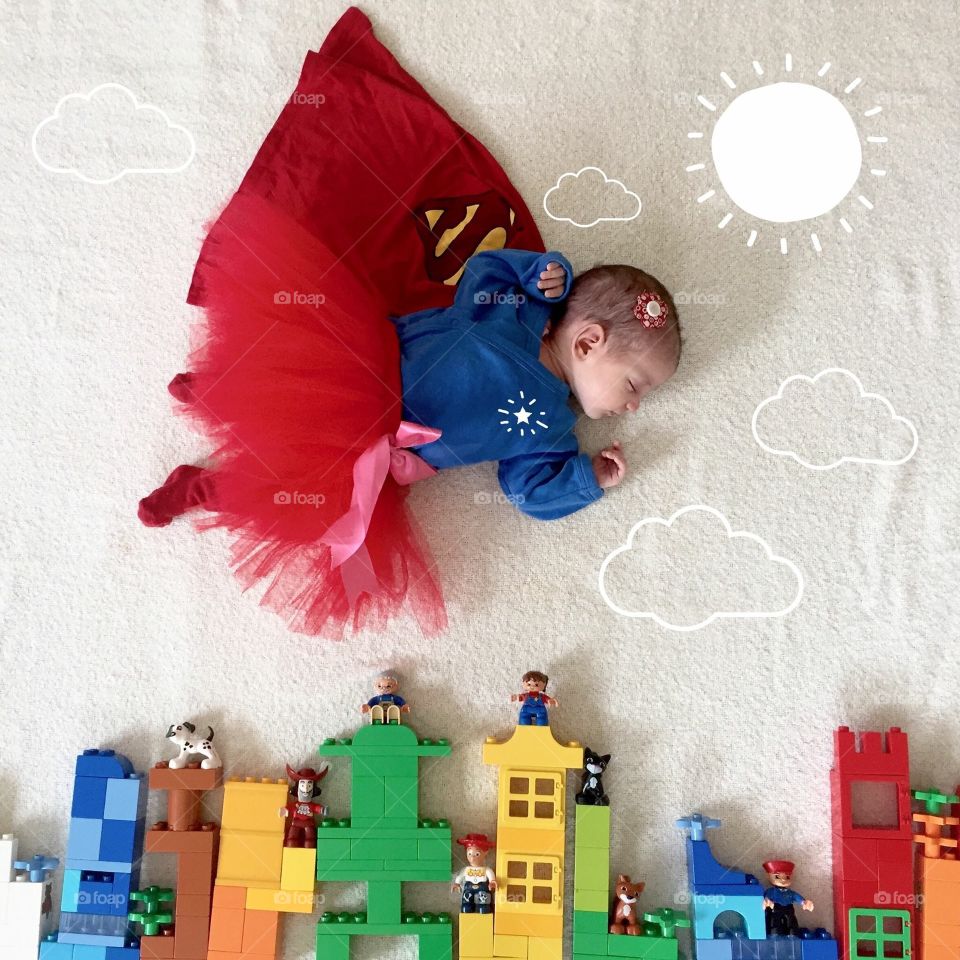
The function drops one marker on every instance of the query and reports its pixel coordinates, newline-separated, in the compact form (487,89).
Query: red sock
(185,489)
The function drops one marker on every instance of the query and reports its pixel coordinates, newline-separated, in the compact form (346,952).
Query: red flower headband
(651,310)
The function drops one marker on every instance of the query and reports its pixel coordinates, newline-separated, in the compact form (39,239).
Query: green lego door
(879,934)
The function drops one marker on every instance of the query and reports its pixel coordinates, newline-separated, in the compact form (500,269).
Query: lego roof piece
(874,754)
(702,867)
(385,740)
(534,748)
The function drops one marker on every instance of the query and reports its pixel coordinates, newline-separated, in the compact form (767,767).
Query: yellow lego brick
(254,805)
(527,925)
(280,901)
(545,948)
(252,856)
(508,946)
(298,869)
(533,747)
(476,935)
(528,842)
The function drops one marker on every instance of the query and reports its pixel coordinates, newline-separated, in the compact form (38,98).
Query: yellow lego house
(527,921)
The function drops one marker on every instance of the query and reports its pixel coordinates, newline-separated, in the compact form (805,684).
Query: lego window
(526,798)
(533,883)
(893,949)
(866,924)
(879,934)
(892,926)
(873,805)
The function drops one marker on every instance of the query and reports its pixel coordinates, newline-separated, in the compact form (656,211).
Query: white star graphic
(522,416)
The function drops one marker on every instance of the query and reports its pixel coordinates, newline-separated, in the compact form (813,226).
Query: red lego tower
(873,881)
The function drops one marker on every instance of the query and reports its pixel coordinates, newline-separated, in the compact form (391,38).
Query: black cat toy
(591,789)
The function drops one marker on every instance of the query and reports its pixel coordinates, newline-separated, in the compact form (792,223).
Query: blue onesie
(473,370)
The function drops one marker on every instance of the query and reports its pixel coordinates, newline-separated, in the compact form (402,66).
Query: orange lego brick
(192,936)
(156,948)
(195,872)
(229,898)
(180,841)
(261,933)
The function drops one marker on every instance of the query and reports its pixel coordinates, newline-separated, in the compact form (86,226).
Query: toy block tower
(592,939)
(25,901)
(531,830)
(384,843)
(248,893)
(729,922)
(873,882)
(938,875)
(104,848)
(194,843)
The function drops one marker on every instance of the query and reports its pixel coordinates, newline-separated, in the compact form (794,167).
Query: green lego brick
(333,946)
(331,849)
(590,900)
(591,871)
(419,869)
(642,948)
(592,827)
(383,901)
(400,800)
(346,870)
(424,925)
(434,845)
(373,848)
(435,948)
(591,921)
(386,766)
(589,943)
(367,798)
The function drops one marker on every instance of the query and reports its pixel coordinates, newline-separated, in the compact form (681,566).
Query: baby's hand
(552,280)
(610,466)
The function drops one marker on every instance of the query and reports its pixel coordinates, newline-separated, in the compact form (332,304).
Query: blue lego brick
(118,840)
(818,948)
(71,890)
(103,894)
(703,867)
(744,948)
(125,799)
(707,908)
(89,952)
(83,842)
(713,950)
(89,796)
(52,950)
(103,763)
(730,889)
(99,866)
(123,953)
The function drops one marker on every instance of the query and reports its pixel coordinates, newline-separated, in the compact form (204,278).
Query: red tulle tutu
(295,373)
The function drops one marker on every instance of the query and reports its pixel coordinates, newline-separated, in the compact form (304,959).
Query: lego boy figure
(779,900)
(301,811)
(476,882)
(533,700)
(387,705)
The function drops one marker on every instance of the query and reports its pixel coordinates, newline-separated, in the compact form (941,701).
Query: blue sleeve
(500,271)
(548,487)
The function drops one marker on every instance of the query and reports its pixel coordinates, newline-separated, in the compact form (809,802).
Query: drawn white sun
(788,151)
(523,417)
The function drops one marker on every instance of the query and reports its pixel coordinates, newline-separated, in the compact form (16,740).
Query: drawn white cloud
(687,571)
(590,189)
(107,133)
(830,419)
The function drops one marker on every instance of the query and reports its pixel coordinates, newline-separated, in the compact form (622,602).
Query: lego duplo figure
(626,917)
(476,881)
(534,700)
(779,900)
(387,705)
(591,788)
(302,812)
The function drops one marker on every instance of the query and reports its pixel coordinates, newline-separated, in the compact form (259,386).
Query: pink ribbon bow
(346,535)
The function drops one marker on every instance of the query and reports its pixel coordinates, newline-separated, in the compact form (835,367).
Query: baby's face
(608,384)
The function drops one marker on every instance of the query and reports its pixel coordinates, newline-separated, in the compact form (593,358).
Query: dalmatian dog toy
(182,736)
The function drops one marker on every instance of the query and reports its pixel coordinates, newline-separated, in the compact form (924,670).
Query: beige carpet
(111,631)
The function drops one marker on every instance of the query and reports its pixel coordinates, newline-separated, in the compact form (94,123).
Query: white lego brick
(8,853)
(22,922)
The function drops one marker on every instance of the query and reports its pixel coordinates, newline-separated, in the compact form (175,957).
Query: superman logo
(453,229)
